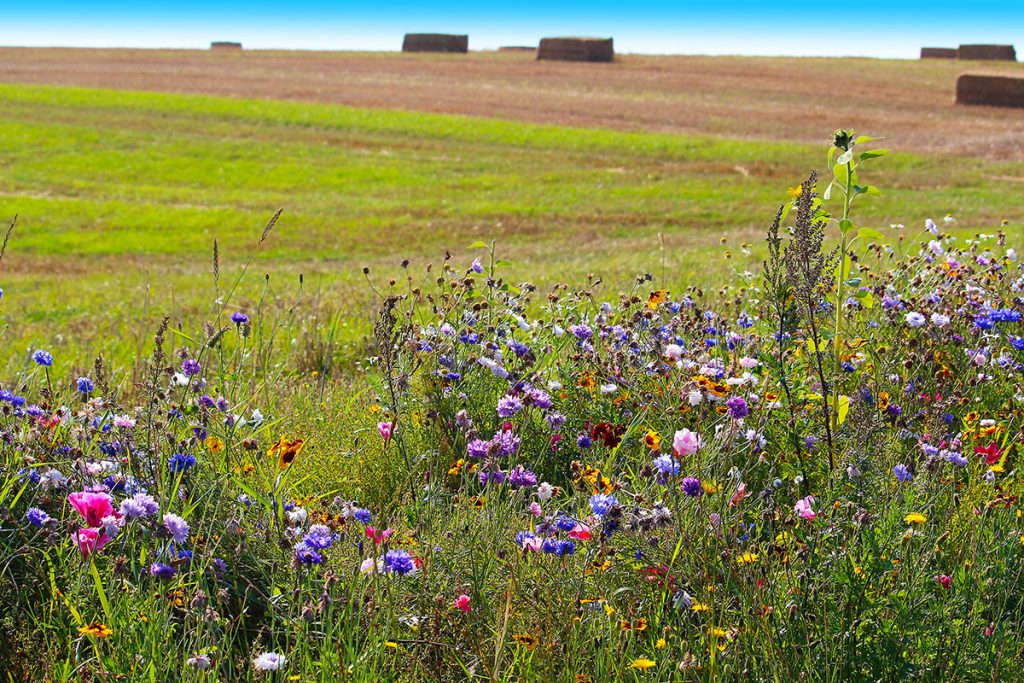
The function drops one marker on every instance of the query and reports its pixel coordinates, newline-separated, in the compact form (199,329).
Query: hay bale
(577,49)
(939,53)
(517,48)
(225,45)
(1001,53)
(992,91)
(435,42)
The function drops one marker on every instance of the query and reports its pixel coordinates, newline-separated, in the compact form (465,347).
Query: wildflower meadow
(806,472)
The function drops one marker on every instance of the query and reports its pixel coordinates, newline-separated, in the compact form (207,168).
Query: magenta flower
(385,429)
(462,603)
(89,541)
(804,508)
(686,442)
(92,506)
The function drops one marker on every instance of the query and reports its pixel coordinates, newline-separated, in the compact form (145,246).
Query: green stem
(840,283)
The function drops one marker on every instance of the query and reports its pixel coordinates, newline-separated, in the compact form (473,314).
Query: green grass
(121,195)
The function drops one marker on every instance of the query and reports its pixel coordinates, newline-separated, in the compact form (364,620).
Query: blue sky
(876,28)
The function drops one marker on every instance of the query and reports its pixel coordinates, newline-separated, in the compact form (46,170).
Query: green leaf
(864,139)
(845,226)
(853,282)
(845,157)
(870,234)
(100,592)
(503,262)
(477,245)
(873,154)
(868,300)
(844,408)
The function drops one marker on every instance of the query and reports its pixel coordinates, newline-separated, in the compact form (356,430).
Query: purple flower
(521,477)
(85,385)
(555,420)
(667,465)
(319,537)
(508,443)
(307,555)
(477,448)
(903,475)
(737,406)
(181,462)
(176,527)
(491,477)
(509,406)
(42,357)
(190,367)
(362,515)
(557,547)
(691,487)
(239,318)
(139,505)
(398,562)
(581,332)
(162,571)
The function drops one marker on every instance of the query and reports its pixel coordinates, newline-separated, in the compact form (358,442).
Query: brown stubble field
(736,97)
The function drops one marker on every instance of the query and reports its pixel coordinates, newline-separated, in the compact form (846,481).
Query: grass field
(121,195)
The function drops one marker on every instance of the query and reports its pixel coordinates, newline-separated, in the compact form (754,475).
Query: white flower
(930,226)
(1011,255)
(297,516)
(199,662)
(674,351)
(936,247)
(694,397)
(940,320)
(269,661)
(256,417)
(370,565)
(948,218)
(609,388)
(545,491)
(179,379)
(915,319)
(748,362)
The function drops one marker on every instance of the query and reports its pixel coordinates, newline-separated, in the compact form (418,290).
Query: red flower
(992,453)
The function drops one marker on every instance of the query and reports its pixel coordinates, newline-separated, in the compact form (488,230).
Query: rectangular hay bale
(992,91)
(225,45)
(939,53)
(577,49)
(435,42)
(1001,53)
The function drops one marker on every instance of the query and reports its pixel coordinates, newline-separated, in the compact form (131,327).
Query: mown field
(120,197)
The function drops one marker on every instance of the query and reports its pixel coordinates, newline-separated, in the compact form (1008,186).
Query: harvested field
(909,101)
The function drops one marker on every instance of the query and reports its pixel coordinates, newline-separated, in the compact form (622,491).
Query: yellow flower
(747,558)
(699,607)
(656,298)
(660,645)
(795,192)
(653,440)
(215,444)
(392,644)
(374,409)
(526,640)
(915,518)
(643,663)
(286,451)
(95,629)
(710,487)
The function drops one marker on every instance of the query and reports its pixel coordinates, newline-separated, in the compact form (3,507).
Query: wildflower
(139,505)
(560,548)
(162,571)
(269,661)
(945,580)
(738,408)
(940,320)
(643,664)
(385,429)
(181,462)
(95,630)
(992,453)
(509,406)
(176,527)
(286,451)
(43,358)
(667,465)
(93,507)
(520,477)
(914,319)
(362,515)
(37,517)
(201,662)
(747,558)
(84,385)
(602,504)
(190,367)
(691,487)
(903,475)
(462,603)
(526,640)
(399,562)
(804,508)
(319,537)
(915,518)
(239,318)
(88,541)
(306,555)
(215,444)
(124,421)
(686,442)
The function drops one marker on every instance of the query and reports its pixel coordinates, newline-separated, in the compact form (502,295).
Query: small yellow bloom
(915,518)
(392,644)
(747,558)
(95,629)
(215,444)
(286,451)
(657,298)
(699,606)
(660,645)
(643,663)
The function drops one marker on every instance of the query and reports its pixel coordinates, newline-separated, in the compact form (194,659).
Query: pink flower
(462,603)
(385,429)
(535,509)
(945,580)
(89,541)
(92,506)
(532,544)
(804,509)
(580,532)
(686,442)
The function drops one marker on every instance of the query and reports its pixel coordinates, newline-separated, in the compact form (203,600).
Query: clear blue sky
(880,28)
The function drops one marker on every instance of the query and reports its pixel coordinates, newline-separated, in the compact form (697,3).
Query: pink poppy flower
(92,506)
(804,509)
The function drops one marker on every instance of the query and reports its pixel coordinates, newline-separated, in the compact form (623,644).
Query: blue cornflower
(85,385)
(181,462)
(691,487)
(565,523)
(602,503)
(43,357)
(307,555)
(239,318)
(363,515)
(162,571)
(190,367)
(37,517)
(903,475)
(667,465)
(398,562)
(318,537)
